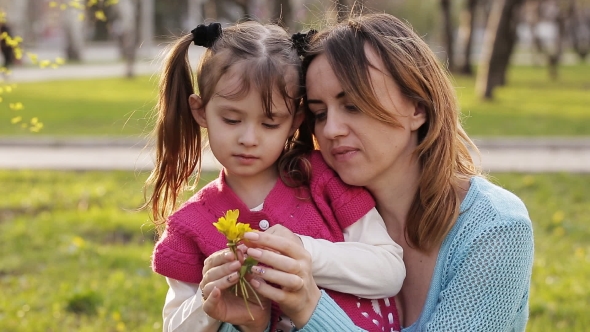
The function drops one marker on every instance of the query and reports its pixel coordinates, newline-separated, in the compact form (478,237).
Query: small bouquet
(233,230)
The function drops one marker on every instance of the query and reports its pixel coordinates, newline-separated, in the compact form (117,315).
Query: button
(264,224)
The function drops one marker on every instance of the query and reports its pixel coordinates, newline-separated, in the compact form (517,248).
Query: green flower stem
(243,284)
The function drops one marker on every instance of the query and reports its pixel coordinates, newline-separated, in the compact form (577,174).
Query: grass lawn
(75,256)
(97,107)
(530,105)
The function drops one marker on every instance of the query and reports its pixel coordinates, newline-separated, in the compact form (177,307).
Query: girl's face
(243,139)
(361,149)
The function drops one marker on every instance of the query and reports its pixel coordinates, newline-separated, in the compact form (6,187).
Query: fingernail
(255,283)
(231,277)
(254,253)
(235,265)
(258,270)
(252,236)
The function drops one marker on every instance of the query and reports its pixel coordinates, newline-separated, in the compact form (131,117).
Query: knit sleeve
(489,281)
(347,203)
(177,256)
(327,316)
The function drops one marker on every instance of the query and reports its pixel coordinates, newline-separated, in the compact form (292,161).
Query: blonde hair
(442,150)
(267,61)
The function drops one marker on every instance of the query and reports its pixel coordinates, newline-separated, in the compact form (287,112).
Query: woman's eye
(230,121)
(319,116)
(351,108)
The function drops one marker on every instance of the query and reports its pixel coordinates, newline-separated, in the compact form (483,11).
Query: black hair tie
(206,35)
(301,41)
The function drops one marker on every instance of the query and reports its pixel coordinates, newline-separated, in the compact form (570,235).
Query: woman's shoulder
(491,211)
(487,200)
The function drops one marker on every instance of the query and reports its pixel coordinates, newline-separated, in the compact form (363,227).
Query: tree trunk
(127,16)
(510,38)
(550,49)
(195,13)
(448,32)
(579,30)
(147,24)
(496,50)
(465,36)
(74,32)
(210,9)
(555,56)
(231,10)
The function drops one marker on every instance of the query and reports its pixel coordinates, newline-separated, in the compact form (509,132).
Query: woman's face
(363,150)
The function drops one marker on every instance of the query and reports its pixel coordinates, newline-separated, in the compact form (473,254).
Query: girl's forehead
(230,83)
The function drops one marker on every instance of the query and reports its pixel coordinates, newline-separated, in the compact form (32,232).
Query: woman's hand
(220,273)
(289,267)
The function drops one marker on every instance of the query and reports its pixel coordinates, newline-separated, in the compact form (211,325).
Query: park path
(497,154)
(89,153)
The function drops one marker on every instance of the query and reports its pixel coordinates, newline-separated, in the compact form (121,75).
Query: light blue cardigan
(482,275)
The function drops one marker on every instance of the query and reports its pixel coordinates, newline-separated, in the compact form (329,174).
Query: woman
(386,118)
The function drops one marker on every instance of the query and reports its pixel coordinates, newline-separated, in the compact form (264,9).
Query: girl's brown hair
(442,150)
(267,61)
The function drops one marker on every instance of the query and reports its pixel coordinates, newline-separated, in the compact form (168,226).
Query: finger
(276,243)
(218,258)
(219,272)
(270,292)
(287,281)
(274,229)
(276,260)
(222,284)
(212,302)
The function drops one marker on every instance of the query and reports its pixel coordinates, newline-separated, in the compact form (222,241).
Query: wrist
(255,326)
(301,318)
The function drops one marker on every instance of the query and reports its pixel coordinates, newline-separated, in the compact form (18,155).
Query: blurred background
(78,84)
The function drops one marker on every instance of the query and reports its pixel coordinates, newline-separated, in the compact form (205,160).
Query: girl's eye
(230,121)
(270,126)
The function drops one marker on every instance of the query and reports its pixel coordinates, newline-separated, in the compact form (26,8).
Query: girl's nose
(249,136)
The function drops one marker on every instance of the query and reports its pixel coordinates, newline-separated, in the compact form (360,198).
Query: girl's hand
(284,232)
(220,273)
(289,267)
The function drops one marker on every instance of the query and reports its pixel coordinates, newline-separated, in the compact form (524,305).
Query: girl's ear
(418,118)
(197,110)
(297,120)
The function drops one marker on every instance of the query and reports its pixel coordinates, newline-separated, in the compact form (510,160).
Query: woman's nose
(333,126)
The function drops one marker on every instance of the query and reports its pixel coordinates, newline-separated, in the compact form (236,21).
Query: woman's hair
(442,150)
(264,57)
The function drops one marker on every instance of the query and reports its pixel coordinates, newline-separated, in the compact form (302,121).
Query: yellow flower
(229,226)
(234,231)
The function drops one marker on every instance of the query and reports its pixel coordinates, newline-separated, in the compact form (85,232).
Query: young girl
(249,84)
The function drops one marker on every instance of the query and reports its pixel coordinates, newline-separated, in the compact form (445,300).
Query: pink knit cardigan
(322,211)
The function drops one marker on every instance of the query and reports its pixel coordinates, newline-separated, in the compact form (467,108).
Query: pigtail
(178,136)
(294,165)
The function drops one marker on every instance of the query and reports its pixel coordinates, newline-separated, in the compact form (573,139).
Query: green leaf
(247,266)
